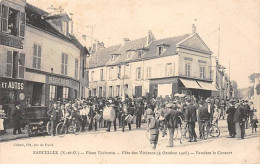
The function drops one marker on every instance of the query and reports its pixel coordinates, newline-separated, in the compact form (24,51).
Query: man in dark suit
(203,116)
(191,119)
(240,117)
(17,117)
(53,112)
(231,125)
(138,113)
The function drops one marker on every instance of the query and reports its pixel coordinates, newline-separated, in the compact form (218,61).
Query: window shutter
(5,18)
(39,57)
(21,65)
(22,24)
(0,17)
(62,63)
(9,64)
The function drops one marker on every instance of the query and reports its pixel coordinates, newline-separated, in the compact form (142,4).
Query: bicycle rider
(203,117)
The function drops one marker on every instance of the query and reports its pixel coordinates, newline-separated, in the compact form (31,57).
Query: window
(95,92)
(160,50)
(65,27)
(37,49)
(139,53)
(119,72)
(148,72)
(22,24)
(64,64)
(118,90)
(92,75)
(76,68)
(187,70)
(13,22)
(21,63)
(110,91)
(138,73)
(169,69)
(101,74)
(128,55)
(9,64)
(111,73)
(100,91)
(65,94)
(113,58)
(202,72)
(127,71)
(52,92)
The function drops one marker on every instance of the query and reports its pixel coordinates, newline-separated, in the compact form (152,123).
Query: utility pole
(218,41)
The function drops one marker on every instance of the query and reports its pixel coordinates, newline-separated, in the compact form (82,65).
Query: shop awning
(207,86)
(192,84)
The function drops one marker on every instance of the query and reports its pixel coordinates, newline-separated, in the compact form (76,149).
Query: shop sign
(53,80)
(12,85)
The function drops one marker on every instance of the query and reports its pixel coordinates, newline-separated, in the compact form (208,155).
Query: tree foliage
(253,76)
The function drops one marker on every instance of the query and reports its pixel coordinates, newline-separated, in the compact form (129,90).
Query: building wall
(51,54)
(193,58)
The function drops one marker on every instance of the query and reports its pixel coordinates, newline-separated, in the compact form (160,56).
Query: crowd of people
(160,114)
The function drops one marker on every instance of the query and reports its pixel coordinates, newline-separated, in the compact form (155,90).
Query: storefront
(11,91)
(60,89)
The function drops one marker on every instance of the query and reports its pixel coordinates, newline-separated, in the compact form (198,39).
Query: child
(154,131)
(254,123)
(216,115)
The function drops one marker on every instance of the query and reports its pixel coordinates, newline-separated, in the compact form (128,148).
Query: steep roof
(101,57)
(131,45)
(170,48)
(35,17)
(194,42)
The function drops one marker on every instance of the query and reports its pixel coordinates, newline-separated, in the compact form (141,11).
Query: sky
(113,20)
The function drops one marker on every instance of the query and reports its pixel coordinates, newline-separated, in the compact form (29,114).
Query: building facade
(41,60)
(150,67)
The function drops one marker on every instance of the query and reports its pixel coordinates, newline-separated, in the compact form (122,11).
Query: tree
(253,77)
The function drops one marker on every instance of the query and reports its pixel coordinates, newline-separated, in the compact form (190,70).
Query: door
(59,93)
(138,91)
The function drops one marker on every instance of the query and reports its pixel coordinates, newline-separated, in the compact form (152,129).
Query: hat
(169,105)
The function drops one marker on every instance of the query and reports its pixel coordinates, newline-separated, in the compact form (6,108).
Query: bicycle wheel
(205,132)
(48,127)
(61,129)
(214,131)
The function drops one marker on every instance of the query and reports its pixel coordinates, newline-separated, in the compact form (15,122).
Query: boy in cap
(154,130)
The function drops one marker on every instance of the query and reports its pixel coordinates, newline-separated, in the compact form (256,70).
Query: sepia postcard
(129,81)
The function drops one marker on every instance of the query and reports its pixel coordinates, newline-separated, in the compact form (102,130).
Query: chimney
(150,37)
(100,45)
(194,29)
(125,40)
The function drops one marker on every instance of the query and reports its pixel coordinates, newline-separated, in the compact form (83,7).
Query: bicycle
(181,129)
(62,128)
(214,130)
(205,128)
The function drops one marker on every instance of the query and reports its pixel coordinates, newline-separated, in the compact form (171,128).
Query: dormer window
(160,50)
(65,27)
(128,54)
(139,53)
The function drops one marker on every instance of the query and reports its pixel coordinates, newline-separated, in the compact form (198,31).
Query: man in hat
(112,104)
(17,117)
(240,117)
(138,112)
(203,116)
(191,119)
(231,125)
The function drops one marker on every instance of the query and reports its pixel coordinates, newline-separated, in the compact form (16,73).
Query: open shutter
(22,24)
(21,65)
(66,64)
(62,63)
(4,18)
(9,64)
(0,17)
(39,57)
(34,56)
